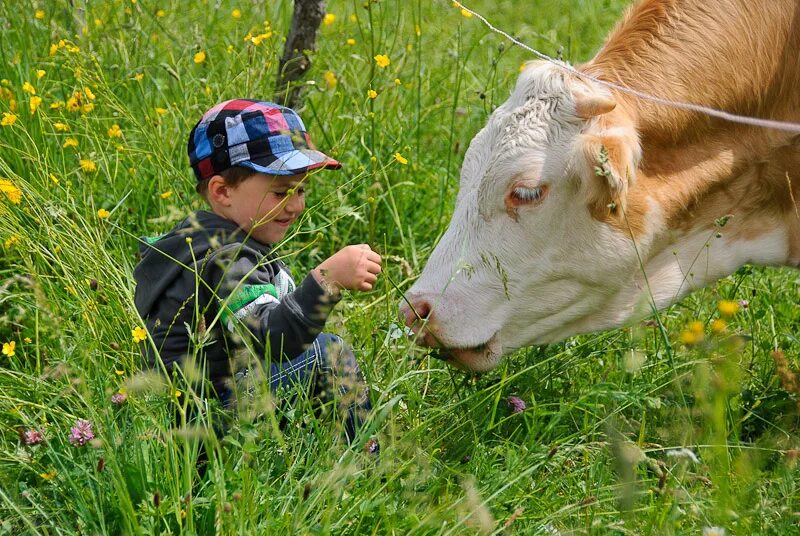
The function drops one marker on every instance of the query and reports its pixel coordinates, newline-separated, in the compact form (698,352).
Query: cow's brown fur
(735,55)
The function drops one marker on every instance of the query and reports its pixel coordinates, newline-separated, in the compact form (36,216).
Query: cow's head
(535,248)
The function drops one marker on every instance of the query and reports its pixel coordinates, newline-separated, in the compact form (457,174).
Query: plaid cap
(262,136)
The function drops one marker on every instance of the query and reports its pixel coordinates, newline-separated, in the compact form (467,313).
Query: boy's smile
(266,205)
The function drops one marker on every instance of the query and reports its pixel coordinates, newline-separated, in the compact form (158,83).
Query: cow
(582,207)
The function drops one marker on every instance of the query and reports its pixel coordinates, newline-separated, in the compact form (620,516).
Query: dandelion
(329,19)
(27,340)
(139,334)
(88,166)
(8,119)
(382,61)
(118,398)
(400,158)
(103,214)
(8,348)
(166,195)
(70,142)
(516,404)
(32,437)
(39,14)
(115,131)
(236,14)
(728,307)
(713,531)
(330,79)
(73,103)
(49,475)
(718,325)
(28,88)
(200,57)
(40,73)
(160,13)
(397,81)
(350,41)
(61,127)
(81,433)
(160,111)
(34,103)
(690,337)
(138,77)
(372,94)
(88,107)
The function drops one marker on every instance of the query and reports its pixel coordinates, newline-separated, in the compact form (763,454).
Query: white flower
(713,531)
(684,453)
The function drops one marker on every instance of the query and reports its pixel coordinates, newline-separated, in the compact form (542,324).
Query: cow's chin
(480,358)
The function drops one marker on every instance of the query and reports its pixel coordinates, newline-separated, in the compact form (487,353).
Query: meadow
(687,430)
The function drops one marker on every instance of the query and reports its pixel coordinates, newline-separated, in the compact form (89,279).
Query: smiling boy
(214,288)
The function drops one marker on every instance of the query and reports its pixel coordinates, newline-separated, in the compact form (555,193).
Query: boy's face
(267,204)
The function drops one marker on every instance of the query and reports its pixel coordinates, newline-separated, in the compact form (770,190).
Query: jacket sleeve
(242,283)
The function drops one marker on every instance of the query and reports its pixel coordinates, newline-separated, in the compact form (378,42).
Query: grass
(598,449)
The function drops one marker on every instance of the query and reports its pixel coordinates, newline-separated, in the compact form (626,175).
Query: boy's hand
(352,267)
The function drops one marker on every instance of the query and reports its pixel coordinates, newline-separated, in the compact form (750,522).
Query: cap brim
(291,162)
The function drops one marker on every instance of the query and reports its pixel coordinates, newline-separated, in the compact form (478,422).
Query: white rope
(755,121)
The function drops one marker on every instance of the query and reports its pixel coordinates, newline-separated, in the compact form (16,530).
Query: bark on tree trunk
(308,15)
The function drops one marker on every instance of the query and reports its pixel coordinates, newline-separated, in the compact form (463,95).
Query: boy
(214,287)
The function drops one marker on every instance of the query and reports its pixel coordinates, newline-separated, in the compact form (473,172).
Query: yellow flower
(718,325)
(236,14)
(466,13)
(8,119)
(330,79)
(74,103)
(39,14)
(372,93)
(119,372)
(351,41)
(397,81)
(178,393)
(728,307)
(696,327)
(160,13)
(103,214)
(88,107)
(139,334)
(54,178)
(34,102)
(11,241)
(61,127)
(257,39)
(70,142)
(50,475)
(382,60)
(400,158)
(88,166)
(28,88)
(98,22)
(53,49)
(40,73)
(57,105)
(12,192)
(27,340)
(115,131)
(89,94)
(161,111)
(200,57)
(690,337)
(166,195)
(353,17)
(138,77)
(329,19)
(8,348)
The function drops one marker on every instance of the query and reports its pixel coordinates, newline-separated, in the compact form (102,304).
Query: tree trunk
(308,15)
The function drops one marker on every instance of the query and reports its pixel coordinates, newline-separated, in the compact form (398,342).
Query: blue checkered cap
(262,136)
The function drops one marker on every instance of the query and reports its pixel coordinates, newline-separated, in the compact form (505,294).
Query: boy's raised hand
(354,267)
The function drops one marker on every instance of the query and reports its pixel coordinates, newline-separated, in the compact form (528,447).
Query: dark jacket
(207,277)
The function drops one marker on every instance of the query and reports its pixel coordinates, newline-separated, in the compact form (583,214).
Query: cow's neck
(736,55)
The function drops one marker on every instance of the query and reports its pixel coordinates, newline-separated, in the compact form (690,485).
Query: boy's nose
(295,203)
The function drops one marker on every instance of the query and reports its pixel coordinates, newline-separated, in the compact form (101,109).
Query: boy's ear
(219,191)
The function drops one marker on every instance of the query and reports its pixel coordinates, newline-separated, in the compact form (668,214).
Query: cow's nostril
(414,310)
(422,309)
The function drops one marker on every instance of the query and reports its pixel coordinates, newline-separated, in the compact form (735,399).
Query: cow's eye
(522,194)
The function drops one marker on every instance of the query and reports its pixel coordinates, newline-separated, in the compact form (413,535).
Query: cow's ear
(591,103)
(606,160)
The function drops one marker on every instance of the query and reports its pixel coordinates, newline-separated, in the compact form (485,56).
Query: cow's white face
(524,260)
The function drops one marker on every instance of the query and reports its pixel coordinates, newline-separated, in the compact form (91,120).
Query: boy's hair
(232,176)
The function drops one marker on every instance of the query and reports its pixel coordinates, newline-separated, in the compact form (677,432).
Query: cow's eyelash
(527,195)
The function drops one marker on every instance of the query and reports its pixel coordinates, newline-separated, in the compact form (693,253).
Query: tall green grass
(596,451)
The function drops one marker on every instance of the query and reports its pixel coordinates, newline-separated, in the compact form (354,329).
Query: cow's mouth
(478,358)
